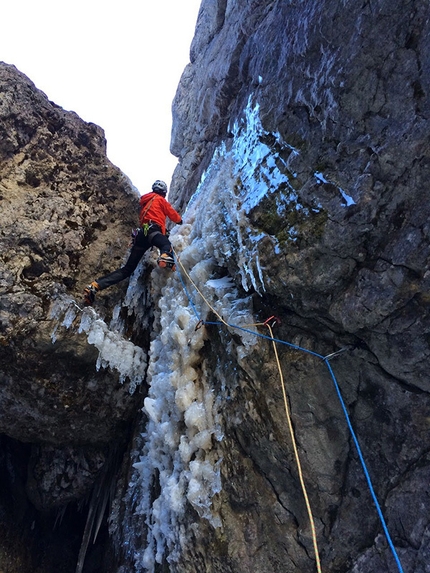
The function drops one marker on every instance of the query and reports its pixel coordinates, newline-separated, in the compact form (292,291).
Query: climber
(154,209)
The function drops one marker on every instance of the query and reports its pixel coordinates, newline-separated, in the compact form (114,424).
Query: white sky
(116,64)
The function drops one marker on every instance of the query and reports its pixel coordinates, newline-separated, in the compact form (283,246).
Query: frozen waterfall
(183,431)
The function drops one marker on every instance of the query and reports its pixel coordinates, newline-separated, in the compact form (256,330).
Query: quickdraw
(273,320)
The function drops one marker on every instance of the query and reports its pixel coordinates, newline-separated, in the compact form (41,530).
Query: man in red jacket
(154,209)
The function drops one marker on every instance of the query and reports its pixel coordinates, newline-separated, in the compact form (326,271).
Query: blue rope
(290,344)
(363,463)
(336,385)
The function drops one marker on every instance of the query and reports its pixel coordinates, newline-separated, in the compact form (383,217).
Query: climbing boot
(90,293)
(166,261)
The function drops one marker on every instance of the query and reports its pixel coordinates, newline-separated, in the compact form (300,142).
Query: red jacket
(155,208)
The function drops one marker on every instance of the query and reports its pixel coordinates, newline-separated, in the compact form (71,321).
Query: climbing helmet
(159,187)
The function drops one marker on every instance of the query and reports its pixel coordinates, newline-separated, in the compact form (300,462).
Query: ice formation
(348,199)
(115,351)
(181,441)
(261,167)
(181,448)
(184,424)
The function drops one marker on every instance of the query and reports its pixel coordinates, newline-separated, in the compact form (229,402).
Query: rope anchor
(276,321)
(340,351)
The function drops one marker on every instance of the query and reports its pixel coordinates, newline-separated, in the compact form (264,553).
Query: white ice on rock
(181,455)
(182,451)
(184,424)
(115,351)
(322,179)
(257,163)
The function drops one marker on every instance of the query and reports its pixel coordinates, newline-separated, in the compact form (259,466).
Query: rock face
(344,86)
(65,217)
(310,121)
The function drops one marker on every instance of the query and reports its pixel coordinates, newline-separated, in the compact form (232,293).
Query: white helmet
(160,187)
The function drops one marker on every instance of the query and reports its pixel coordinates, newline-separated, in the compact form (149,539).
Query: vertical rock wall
(320,219)
(65,218)
(342,95)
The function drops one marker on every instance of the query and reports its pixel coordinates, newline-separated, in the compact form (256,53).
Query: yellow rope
(290,425)
(178,260)
(296,453)
(205,299)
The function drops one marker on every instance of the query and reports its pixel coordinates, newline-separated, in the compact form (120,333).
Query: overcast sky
(116,64)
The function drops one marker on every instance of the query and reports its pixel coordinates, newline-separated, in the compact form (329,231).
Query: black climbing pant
(142,242)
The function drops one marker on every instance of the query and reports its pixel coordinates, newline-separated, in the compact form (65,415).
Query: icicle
(114,350)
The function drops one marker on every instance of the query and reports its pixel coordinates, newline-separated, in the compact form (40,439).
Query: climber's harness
(150,229)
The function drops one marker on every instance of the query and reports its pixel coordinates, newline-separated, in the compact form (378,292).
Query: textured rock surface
(345,84)
(65,217)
